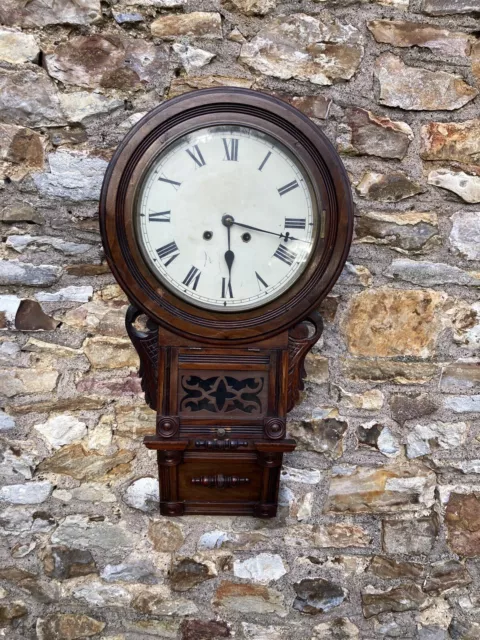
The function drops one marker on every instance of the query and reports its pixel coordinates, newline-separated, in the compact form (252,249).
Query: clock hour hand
(285,236)
(229,258)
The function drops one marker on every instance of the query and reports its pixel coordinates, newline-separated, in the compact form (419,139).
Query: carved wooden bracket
(146,345)
(300,341)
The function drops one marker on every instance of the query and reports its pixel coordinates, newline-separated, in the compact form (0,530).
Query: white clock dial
(226,218)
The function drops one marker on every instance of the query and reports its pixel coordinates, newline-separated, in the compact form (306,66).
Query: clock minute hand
(229,258)
(285,236)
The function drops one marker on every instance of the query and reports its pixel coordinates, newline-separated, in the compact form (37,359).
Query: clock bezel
(158,130)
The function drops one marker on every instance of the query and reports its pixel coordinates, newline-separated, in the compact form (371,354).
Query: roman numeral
(169,249)
(196,156)
(161,216)
(260,280)
(231,148)
(264,161)
(295,223)
(284,254)
(288,187)
(226,288)
(174,183)
(192,278)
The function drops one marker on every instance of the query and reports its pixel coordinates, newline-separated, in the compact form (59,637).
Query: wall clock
(226,217)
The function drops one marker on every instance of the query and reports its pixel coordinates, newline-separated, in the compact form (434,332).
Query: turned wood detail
(300,341)
(220,445)
(146,345)
(219,481)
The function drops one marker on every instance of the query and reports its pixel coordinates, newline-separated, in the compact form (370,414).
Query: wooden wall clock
(226,217)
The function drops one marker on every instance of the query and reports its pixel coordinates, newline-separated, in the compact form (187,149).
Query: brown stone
(390,569)
(312,106)
(11,611)
(68,626)
(411,406)
(204,630)
(40,13)
(339,534)
(166,536)
(21,213)
(110,353)
(88,270)
(75,461)
(316,367)
(188,573)
(411,537)
(129,385)
(106,318)
(400,33)
(63,563)
(377,370)
(414,88)
(21,151)
(316,595)
(253,7)
(447,574)
(59,405)
(475,58)
(392,488)
(364,133)
(111,61)
(406,597)
(388,187)
(463,524)
(458,141)
(248,598)
(464,374)
(181,85)
(392,322)
(302,47)
(404,232)
(31,317)
(199,24)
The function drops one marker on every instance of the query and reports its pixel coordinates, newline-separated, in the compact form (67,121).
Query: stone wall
(379,530)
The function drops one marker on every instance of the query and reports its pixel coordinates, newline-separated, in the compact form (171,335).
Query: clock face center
(248,196)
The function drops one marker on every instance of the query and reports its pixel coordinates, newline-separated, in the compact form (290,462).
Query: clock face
(226,218)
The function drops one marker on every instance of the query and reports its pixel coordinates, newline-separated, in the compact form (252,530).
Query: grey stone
(67,294)
(411,537)
(80,106)
(21,213)
(188,573)
(389,569)
(257,632)
(17,47)
(22,106)
(191,57)
(143,494)
(307,49)
(465,185)
(316,595)
(87,533)
(414,88)
(449,7)
(14,462)
(305,476)
(323,436)
(262,568)
(74,175)
(62,429)
(14,272)
(389,187)
(6,422)
(463,404)
(430,274)
(422,439)
(465,234)
(365,133)
(128,18)
(31,493)
(380,437)
(9,305)
(20,243)
(130,572)
(41,13)
(336,629)
(462,630)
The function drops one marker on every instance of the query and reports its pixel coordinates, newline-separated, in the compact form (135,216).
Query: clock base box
(221,416)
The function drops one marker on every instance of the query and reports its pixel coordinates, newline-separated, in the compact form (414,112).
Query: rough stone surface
(456,141)
(248,598)
(414,537)
(336,629)
(305,48)
(390,323)
(41,13)
(143,494)
(463,524)
(66,626)
(79,463)
(466,185)
(448,7)
(415,88)
(62,429)
(316,595)
(422,439)
(401,33)
(390,187)
(263,568)
(371,135)
(465,234)
(14,272)
(430,274)
(17,47)
(198,23)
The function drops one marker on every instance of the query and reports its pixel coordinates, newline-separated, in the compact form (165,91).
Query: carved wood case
(223,383)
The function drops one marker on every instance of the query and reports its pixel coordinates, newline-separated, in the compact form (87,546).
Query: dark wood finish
(223,382)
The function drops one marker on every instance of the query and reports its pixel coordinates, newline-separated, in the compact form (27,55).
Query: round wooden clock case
(222,380)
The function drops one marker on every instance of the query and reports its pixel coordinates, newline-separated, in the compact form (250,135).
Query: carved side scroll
(146,345)
(300,341)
